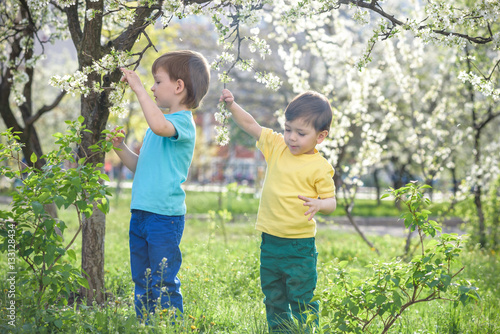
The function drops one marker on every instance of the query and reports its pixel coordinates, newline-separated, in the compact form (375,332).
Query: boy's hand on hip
(314,205)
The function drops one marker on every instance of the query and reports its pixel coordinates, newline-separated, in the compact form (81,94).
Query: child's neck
(176,108)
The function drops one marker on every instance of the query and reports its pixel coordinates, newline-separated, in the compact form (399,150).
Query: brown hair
(189,66)
(313,107)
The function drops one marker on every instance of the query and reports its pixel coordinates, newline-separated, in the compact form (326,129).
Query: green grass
(221,284)
(202,202)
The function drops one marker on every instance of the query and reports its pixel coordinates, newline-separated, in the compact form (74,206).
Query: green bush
(361,304)
(42,262)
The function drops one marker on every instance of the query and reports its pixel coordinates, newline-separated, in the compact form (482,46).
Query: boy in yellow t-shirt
(298,184)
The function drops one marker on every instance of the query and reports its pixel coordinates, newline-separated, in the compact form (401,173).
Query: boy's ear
(321,136)
(179,88)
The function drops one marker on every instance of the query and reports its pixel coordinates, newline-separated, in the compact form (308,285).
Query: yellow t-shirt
(281,212)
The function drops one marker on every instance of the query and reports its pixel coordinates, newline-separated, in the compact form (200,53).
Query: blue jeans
(155,260)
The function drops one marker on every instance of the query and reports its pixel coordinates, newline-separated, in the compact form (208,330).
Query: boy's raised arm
(242,118)
(154,116)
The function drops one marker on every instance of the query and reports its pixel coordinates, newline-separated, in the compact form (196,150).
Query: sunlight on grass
(221,284)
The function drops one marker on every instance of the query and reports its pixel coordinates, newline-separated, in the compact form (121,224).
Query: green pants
(288,278)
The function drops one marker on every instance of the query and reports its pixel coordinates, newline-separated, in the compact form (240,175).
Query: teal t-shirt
(163,166)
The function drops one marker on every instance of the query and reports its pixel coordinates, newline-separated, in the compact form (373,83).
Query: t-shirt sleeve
(325,186)
(268,141)
(183,124)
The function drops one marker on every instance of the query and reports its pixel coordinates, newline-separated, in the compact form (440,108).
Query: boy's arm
(242,118)
(154,116)
(323,205)
(126,155)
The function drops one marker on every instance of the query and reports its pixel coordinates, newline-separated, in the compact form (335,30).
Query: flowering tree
(104,32)
(18,59)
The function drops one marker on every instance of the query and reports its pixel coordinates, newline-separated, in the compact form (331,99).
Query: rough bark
(93,231)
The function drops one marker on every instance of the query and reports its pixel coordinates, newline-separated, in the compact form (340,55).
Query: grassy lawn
(221,284)
(202,202)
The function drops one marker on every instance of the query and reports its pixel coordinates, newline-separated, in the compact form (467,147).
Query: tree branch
(74,24)
(374,6)
(46,108)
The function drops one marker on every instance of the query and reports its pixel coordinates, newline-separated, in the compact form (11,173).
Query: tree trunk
(480,215)
(93,231)
(453,172)
(377,184)
(95,110)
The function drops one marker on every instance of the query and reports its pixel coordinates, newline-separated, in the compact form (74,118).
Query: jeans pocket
(305,247)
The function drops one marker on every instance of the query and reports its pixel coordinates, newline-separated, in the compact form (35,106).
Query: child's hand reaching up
(227,97)
(132,79)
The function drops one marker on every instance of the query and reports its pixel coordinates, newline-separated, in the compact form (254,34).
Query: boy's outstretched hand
(116,137)
(227,97)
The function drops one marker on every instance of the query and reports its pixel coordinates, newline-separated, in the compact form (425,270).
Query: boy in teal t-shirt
(158,201)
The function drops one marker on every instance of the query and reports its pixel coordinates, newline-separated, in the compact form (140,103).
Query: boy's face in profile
(301,137)
(163,88)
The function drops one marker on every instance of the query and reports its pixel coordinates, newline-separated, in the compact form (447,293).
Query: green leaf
(103,206)
(397,299)
(46,280)
(380,299)
(59,200)
(38,260)
(37,207)
(83,282)
(395,280)
(343,264)
(105,177)
(49,257)
(385,196)
(81,119)
(354,310)
(43,197)
(27,252)
(58,323)
(71,253)
(33,157)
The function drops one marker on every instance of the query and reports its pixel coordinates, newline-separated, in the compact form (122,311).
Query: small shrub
(43,262)
(374,302)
